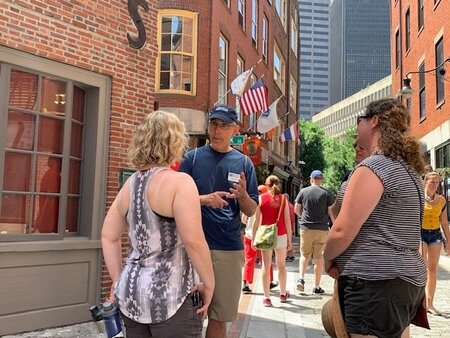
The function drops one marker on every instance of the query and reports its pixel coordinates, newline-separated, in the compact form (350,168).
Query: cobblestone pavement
(299,317)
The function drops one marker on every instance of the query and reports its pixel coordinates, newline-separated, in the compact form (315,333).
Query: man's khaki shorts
(312,242)
(228,274)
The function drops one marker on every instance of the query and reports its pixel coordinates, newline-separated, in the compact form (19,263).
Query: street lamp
(407,91)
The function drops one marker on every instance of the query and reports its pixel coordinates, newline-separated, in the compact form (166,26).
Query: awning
(280,173)
(297,182)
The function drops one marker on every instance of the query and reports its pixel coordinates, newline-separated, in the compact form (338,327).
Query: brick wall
(92,35)
(422,48)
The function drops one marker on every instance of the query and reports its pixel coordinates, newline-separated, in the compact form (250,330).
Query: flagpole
(222,97)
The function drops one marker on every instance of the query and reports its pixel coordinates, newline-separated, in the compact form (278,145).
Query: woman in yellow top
(434,218)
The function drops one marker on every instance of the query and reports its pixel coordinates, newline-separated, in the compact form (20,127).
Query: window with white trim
(255,23)
(222,82)
(241,13)
(279,67)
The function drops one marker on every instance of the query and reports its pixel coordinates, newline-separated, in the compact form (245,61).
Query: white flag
(238,84)
(269,119)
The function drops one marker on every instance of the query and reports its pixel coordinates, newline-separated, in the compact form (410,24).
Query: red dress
(270,206)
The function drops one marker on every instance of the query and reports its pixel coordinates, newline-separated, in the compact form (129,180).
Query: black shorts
(185,323)
(381,308)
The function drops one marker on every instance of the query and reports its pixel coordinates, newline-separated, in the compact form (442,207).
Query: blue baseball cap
(224,113)
(316,174)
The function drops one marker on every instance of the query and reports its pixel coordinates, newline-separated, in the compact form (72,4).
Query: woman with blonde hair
(272,204)
(435,218)
(373,246)
(156,288)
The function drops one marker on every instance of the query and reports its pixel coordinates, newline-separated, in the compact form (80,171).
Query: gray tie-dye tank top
(157,274)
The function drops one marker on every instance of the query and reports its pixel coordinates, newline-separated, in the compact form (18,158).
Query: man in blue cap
(226,181)
(312,206)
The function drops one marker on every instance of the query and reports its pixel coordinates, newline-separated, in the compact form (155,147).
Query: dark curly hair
(396,140)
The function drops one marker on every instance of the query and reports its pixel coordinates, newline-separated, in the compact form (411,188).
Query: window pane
(165,62)
(222,55)
(14,213)
(72,214)
(176,63)
(175,80)
(53,96)
(23,89)
(165,42)
(166,24)
(187,43)
(78,104)
(187,64)
(177,24)
(17,172)
(222,89)
(76,143)
(187,82)
(50,135)
(48,174)
(176,43)
(164,80)
(20,131)
(74,177)
(46,209)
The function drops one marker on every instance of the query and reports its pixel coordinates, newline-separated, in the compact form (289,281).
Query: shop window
(37,195)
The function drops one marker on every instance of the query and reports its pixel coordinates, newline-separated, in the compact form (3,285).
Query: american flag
(255,99)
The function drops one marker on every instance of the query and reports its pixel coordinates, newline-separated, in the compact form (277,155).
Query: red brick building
(221,39)
(420,44)
(72,91)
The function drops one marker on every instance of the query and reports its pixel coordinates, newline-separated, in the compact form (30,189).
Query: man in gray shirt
(312,207)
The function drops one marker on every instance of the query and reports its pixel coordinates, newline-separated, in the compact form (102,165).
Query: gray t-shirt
(315,201)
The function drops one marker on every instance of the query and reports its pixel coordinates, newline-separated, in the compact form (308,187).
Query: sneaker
(318,290)
(301,285)
(267,302)
(284,297)
(273,284)
(246,289)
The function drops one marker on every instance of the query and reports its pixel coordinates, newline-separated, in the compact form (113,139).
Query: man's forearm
(247,205)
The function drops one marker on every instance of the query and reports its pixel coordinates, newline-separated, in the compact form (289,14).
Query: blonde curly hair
(160,139)
(396,140)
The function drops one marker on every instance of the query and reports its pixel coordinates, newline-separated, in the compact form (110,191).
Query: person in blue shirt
(226,181)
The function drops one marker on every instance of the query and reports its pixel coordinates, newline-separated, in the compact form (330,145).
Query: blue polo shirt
(210,170)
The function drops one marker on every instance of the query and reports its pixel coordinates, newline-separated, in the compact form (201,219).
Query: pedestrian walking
(250,253)
(272,206)
(155,288)
(312,207)
(226,181)
(435,219)
(375,239)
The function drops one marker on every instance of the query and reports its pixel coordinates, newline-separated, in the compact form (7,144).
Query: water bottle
(110,314)
(96,313)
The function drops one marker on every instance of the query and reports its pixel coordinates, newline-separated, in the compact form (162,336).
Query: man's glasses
(221,126)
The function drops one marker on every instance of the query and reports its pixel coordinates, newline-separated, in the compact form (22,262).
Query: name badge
(232,177)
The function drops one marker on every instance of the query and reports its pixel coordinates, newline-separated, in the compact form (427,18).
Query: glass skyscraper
(359,45)
(314,57)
